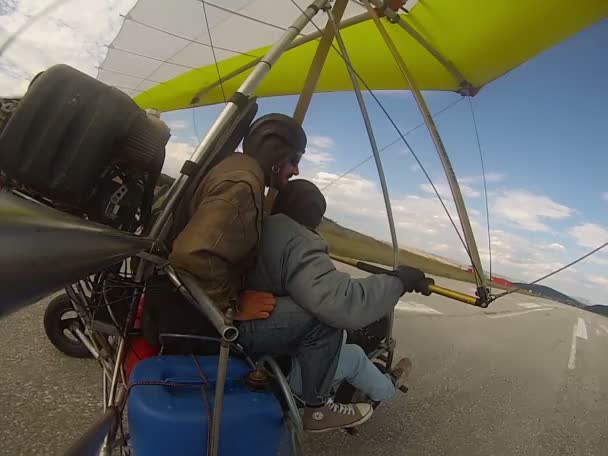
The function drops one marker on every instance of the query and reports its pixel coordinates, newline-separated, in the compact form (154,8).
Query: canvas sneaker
(336,416)
(400,373)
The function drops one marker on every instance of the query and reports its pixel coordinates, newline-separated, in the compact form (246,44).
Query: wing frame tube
(461,209)
(378,160)
(435,289)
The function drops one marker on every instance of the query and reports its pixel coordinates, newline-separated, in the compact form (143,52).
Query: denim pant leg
(293,331)
(354,367)
(358,370)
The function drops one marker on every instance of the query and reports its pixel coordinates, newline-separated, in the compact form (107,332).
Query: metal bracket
(466,88)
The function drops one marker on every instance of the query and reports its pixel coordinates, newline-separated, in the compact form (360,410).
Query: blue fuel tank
(173,420)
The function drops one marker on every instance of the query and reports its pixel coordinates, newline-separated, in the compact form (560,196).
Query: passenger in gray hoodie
(315,302)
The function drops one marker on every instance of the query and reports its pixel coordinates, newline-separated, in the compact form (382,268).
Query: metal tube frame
(292,407)
(297,42)
(262,67)
(222,370)
(120,354)
(191,290)
(91,342)
(435,289)
(461,209)
(374,146)
(465,86)
(317,62)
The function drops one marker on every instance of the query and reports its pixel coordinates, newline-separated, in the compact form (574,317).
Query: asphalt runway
(526,376)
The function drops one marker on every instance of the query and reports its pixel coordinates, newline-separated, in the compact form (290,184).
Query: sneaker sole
(404,377)
(352,425)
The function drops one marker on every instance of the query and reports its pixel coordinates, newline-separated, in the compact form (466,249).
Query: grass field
(345,242)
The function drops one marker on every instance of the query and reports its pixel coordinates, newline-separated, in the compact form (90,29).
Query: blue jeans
(356,368)
(291,330)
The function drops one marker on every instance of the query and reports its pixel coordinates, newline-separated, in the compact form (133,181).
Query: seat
(165,309)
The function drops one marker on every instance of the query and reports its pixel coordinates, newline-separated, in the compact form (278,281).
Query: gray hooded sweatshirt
(293,263)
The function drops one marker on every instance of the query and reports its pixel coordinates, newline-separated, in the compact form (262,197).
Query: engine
(83,147)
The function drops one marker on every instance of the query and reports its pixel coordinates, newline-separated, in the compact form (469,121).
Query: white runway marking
(581,329)
(528,305)
(604,328)
(408,306)
(572,359)
(515,314)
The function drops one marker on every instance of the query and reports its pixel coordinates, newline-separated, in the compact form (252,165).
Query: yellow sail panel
(483,39)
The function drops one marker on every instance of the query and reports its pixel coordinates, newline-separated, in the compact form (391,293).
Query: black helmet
(301,201)
(275,124)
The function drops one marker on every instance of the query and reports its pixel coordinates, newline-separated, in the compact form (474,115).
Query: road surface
(526,376)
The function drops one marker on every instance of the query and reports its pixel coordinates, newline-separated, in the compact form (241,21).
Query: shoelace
(396,374)
(344,409)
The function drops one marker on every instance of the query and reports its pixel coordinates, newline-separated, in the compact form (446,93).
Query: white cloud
(177,153)
(446,193)
(597,260)
(598,280)
(529,211)
(605,196)
(351,195)
(421,221)
(177,125)
(495,177)
(423,226)
(321,142)
(317,157)
(317,150)
(467,184)
(491,177)
(70,34)
(589,235)
(556,246)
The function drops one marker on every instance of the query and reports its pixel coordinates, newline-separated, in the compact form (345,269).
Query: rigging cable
(182,37)
(392,143)
(485,188)
(419,162)
(245,16)
(217,67)
(597,249)
(43,12)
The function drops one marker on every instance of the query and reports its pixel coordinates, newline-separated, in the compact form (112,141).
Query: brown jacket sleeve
(222,233)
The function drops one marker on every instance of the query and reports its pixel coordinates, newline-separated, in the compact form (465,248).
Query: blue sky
(542,128)
(543,133)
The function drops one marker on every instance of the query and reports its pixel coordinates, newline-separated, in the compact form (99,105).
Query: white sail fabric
(162,39)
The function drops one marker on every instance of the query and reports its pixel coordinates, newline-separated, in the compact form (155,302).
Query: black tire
(56,328)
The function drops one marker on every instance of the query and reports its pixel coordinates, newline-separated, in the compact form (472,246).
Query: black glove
(413,280)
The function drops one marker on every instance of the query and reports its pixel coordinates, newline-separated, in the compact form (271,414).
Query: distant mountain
(583,300)
(550,293)
(598,309)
